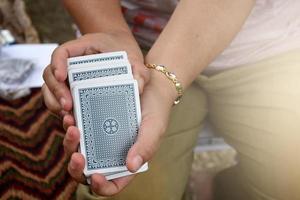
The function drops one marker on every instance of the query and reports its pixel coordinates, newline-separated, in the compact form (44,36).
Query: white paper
(39,54)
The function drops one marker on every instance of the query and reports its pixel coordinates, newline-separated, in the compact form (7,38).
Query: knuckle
(57,50)
(44,89)
(70,170)
(148,152)
(65,142)
(86,37)
(57,90)
(62,48)
(47,103)
(51,107)
(68,141)
(45,73)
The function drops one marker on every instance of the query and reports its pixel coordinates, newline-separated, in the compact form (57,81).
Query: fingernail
(62,102)
(137,162)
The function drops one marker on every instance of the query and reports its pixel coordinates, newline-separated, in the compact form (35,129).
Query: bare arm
(94,16)
(196,33)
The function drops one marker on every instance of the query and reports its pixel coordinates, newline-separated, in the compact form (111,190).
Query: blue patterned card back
(109,123)
(97,58)
(98,73)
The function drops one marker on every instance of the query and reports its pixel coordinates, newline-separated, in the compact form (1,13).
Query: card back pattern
(98,73)
(110,124)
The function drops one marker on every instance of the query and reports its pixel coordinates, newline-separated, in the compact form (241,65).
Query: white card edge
(143,168)
(93,56)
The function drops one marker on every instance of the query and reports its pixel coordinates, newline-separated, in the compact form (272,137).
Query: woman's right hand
(57,96)
(56,92)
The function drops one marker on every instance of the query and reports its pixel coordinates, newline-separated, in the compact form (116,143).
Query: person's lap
(256,109)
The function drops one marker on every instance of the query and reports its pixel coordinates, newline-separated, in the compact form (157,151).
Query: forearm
(105,18)
(196,33)
(97,15)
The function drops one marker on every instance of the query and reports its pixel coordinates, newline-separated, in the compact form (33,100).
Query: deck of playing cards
(107,111)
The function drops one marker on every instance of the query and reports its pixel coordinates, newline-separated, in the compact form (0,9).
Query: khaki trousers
(256,108)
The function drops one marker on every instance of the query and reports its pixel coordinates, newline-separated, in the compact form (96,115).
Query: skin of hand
(57,95)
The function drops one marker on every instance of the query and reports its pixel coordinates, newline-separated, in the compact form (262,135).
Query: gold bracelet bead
(172,77)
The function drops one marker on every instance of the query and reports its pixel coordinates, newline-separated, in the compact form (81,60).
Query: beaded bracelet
(172,77)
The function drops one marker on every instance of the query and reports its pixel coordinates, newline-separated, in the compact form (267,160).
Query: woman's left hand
(156,103)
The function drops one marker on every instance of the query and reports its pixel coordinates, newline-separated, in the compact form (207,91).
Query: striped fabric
(33,164)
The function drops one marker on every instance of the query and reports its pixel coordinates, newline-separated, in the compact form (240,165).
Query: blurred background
(33,163)
(51,21)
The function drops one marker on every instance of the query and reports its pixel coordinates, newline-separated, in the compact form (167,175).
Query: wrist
(163,86)
(166,75)
(97,16)
(118,31)
(118,40)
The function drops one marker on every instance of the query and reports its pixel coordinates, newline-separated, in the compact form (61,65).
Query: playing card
(100,71)
(114,175)
(95,59)
(100,84)
(126,173)
(108,117)
(117,78)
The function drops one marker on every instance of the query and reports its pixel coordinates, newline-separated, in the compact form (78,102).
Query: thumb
(149,137)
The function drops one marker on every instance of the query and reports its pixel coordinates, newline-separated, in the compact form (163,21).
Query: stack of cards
(107,111)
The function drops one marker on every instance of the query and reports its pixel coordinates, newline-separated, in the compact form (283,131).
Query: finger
(50,101)
(59,89)
(75,167)
(91,50)
(108,188)
(68,121)
(72,48)
(147,143)
(71,140)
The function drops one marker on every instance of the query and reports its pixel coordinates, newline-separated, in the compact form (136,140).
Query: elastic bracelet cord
(171,76)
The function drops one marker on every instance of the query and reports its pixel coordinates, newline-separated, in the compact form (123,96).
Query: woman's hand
(156,102)
(56,93)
